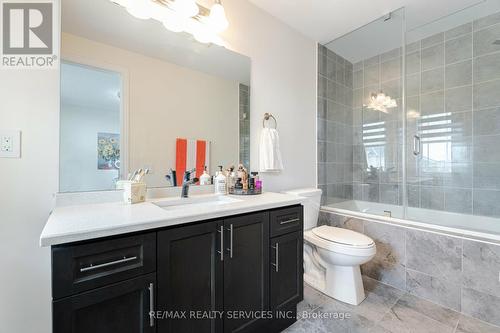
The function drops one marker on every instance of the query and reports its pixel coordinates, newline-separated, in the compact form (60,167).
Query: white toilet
(332,256)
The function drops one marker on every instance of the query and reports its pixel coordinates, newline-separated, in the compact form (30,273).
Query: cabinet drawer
(123,307)
(285,220)
(77,268)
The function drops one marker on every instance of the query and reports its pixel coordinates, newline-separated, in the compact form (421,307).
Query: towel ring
(268,116)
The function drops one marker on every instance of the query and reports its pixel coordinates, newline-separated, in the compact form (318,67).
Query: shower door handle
(416,145)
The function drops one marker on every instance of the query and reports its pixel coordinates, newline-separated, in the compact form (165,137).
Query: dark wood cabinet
(229,269)
(190,277)
(246,270)
(122,307)
(286,271)
(81,267)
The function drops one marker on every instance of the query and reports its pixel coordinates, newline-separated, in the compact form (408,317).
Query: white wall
(283,82)
(29,101)
(166,102)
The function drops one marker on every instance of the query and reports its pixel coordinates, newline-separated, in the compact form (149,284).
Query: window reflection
(436,137)
(374,141)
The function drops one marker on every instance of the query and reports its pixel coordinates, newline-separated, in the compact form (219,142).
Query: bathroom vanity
(200,264)
(234,266)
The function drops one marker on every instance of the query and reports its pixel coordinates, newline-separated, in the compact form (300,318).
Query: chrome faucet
(187,181)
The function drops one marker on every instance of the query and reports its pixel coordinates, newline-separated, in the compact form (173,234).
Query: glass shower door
(360,118)
(452,114)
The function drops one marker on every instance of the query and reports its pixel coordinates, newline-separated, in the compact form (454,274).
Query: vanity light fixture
(185,8)
(182,16)
(139,9)
(381,102)
(217,18)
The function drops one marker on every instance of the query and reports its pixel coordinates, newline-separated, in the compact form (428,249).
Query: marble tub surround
(83,222)
(455,273)
(386,310)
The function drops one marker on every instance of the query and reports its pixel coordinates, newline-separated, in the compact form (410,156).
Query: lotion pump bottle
(205,178)
(220,182)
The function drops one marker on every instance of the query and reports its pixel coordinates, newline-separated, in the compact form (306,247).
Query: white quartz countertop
(83,222)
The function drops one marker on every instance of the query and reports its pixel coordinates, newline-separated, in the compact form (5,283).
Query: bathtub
(479,228)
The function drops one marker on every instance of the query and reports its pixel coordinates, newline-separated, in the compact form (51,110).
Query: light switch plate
(10,143)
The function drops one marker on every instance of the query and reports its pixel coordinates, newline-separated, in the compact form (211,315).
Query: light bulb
(174,23)
(186,8)
(217,19)
(140,9)
(201,32)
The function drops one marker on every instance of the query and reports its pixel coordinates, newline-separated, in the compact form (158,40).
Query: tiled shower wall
(335,117)
(245,125)
(378,142)
(453,104)
(459,274)
(344,127)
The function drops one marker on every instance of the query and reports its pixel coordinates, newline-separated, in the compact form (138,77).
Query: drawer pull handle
(106,264)
(277,253)
(151,305)
(289,221)
(221,252)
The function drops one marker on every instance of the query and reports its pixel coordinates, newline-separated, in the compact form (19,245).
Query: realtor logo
(27,34)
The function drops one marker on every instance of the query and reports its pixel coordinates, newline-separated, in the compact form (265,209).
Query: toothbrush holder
(134,192)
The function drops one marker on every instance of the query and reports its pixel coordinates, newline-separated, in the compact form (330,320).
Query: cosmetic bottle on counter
(251,182)
(231,178)
(239,184)
(243,175)
(205,178)
(257,181)
(220,182)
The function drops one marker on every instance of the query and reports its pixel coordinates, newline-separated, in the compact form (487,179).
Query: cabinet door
(286,270)
(246,270)
(190,277)
(122,307)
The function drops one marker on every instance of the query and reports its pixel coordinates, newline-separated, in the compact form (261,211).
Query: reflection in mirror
(135,95)
(90,126)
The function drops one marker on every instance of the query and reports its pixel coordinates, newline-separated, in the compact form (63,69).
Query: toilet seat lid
(342,236)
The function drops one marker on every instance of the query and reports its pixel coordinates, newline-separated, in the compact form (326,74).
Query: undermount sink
(194,202)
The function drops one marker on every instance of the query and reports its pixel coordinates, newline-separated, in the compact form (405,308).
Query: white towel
(269,151)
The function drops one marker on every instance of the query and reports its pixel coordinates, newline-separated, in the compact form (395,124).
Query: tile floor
(385,310)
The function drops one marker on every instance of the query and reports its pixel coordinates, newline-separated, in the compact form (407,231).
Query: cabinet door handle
(221,252)
(151,305)
(290,221)
(106,264)
(277,253)
(230,248)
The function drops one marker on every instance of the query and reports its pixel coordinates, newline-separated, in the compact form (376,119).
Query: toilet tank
(311,205)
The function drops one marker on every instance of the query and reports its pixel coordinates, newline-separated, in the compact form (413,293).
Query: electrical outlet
(10,143)
(7,144)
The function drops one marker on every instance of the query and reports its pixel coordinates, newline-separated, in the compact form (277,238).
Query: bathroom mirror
(136,95)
